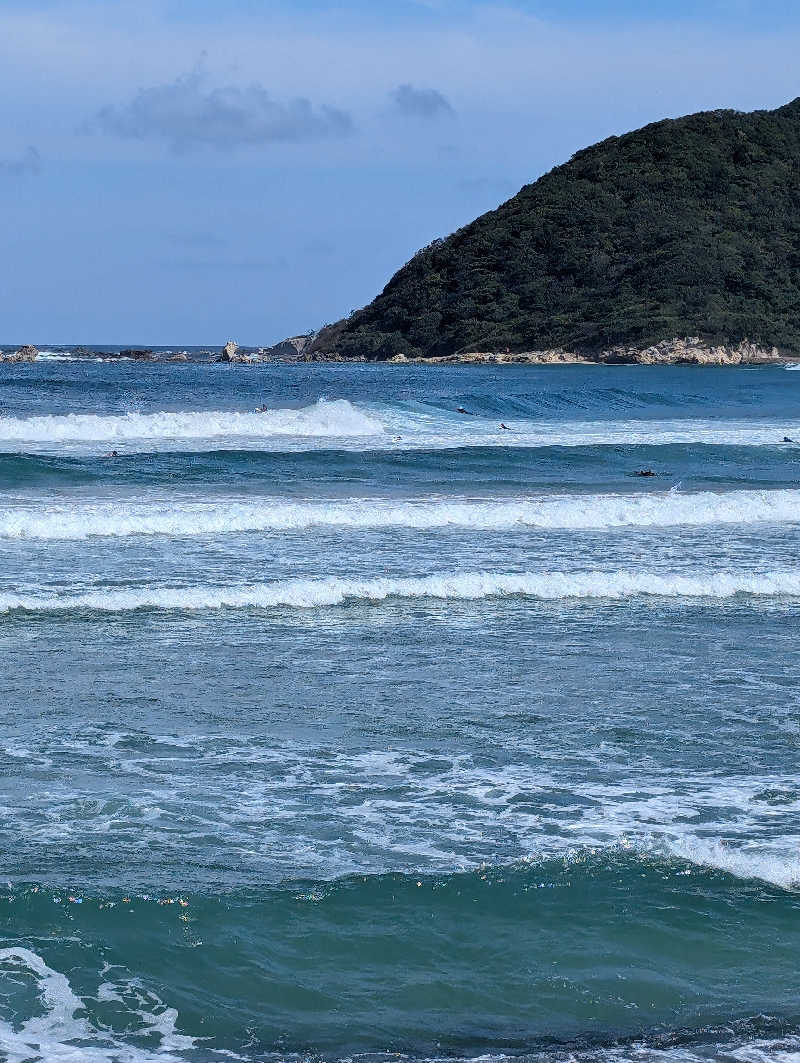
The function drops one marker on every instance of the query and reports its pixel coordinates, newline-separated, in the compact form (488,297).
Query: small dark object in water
(262,409)
(112,454)
(461,410)
(787,440)
(505,427)
(644,472)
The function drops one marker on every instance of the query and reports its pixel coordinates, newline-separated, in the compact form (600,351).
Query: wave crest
(161,517)
(467,586)
(325,418)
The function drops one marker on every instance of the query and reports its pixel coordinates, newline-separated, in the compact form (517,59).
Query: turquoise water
(363,727)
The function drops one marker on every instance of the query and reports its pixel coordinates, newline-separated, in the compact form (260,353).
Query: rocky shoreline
(690,350)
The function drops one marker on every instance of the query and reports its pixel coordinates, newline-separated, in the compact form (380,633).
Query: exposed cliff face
(688,227)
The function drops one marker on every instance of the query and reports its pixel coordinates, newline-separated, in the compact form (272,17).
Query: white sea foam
(62,1032)
(351,427)
(142,516)
(417,429)
(728,1049)
(464,586)
(400,810)
(406,815)
(748,861)
(324,419)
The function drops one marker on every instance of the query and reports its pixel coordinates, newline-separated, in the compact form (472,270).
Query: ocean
(366,729)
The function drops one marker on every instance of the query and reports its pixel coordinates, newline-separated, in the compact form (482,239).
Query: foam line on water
(126,517)
(325,418)
(407,427)
(413,814)
(61,1032)
(348,426)
(465,586)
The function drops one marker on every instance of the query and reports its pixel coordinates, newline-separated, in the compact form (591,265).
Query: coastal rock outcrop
(690,350)
(26,353)
(693,351)
(138,354)
(288,349)
(232,353)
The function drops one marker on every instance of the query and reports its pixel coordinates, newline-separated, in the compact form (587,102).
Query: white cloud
(527,91)
(189,112)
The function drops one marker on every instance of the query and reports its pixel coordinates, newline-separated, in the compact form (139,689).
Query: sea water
(363,728)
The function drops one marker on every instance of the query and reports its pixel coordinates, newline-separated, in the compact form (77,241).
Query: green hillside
(686,227)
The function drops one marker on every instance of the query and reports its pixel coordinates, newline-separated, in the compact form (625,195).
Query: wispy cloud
(196,239)
(189,113)
(246,265)
(29,162)
(421,103)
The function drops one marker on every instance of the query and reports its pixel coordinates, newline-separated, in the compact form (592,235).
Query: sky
(180,172)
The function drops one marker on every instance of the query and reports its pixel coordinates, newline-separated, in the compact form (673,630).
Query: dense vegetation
(686,227)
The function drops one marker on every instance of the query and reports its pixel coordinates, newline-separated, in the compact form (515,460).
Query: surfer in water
(462,410)
(644,472)
(262,409)
(504,427)
(112,454)
(787,440)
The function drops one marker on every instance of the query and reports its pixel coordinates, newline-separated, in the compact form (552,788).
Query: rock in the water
(138,354)
(181,356)
(27,353)
(232,353)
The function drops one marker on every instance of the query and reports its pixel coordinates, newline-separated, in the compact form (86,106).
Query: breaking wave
(780,869)
(467,586)
(376,426)
(325,418)
(83,520)
(519,920)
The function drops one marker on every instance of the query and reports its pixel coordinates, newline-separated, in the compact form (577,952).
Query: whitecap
(147,431)
(159,516)
(463,586)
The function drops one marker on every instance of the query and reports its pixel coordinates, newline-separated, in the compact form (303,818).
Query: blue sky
(185,171)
